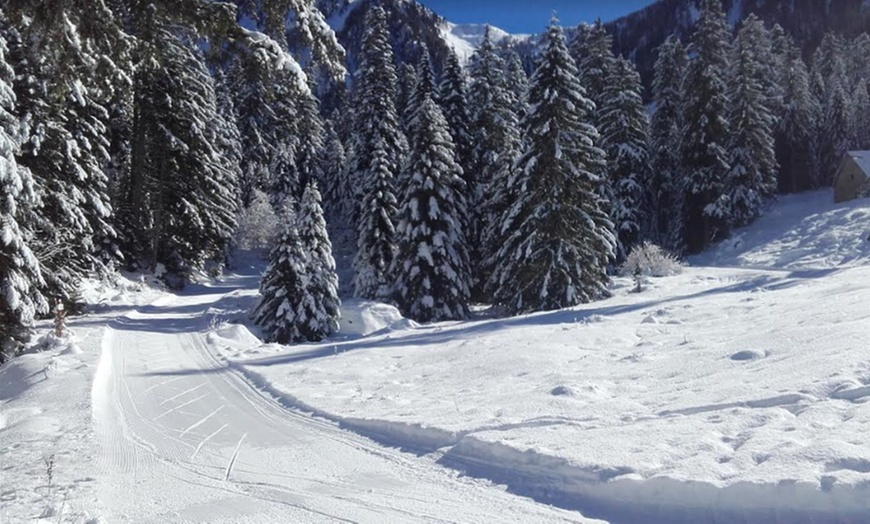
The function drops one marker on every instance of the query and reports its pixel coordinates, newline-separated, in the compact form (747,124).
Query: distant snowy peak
(464,39)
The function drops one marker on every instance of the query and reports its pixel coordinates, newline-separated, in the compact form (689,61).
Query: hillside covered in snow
(735,391)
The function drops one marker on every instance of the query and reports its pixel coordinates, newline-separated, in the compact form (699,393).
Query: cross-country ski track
(185,438)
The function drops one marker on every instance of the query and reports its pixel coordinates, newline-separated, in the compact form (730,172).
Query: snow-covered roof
(862,159)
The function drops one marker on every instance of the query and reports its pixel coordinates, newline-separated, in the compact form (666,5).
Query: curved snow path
(174,423)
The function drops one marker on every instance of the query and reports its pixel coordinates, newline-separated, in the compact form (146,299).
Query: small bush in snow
(650,260)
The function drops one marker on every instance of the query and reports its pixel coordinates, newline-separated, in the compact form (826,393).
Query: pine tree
(517,82)
(665,128)
(407,83)
(751,178)
(592,49)
(66,49)
(319,309)
(181,196)
(283,286)
(795,129)
(431,265)
(624,128)
(338,195)
(19,269)
(424,88)
(377,154)
(560,239)
(836,128)
(496,148)
(706,131)
(285,172)
(310,143)
(453,99)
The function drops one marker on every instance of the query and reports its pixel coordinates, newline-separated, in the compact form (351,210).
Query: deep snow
(734,392)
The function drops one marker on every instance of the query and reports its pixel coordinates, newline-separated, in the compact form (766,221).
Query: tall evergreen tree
(19,269)
(592,49)
(665,128)
(560,239)
(319,309)
(377,155)
(517,82)
(706,131)
(496,148)
(453,99)
(68,49)
(431,265)
(752,175)
(182,193)
(624,128)
(407,84)
(837,130)
(794,134)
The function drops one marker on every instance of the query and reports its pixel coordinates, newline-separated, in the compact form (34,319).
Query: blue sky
(531,16)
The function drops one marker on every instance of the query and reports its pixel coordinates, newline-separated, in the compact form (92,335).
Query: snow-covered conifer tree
(751,179)
(453,99)
(407,83)
(319,309)
(19,269)
(376,157)
(624,128)
(431,264)
(592,50)
(283,286)
(496,139)
(182,193)
(560,240)
(705,130)
(68,48)
(517,82)
(795,128)
(665,128)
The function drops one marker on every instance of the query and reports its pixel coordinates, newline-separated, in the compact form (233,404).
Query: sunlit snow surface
(734,392)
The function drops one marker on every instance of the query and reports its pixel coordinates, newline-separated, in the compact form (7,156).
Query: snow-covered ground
(734,392)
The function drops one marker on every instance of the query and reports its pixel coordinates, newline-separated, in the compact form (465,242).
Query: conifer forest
(164,136)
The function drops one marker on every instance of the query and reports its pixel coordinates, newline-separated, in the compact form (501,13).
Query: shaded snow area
(737,391)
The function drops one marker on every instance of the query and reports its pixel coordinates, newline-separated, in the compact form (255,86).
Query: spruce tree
(182,194)
(592,49)
(836,130)
(665,128)
(453,99)
(496,139)
(67,53)
(794,133)
(283,286)
(407,84)
(706,131)
(19,269)
(376,157)
(431,265)
(560,240)
(517,82)
(319,309)
(752,175)
(624,128)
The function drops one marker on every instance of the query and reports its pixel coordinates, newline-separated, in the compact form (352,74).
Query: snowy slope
(464,39)
(736,391)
